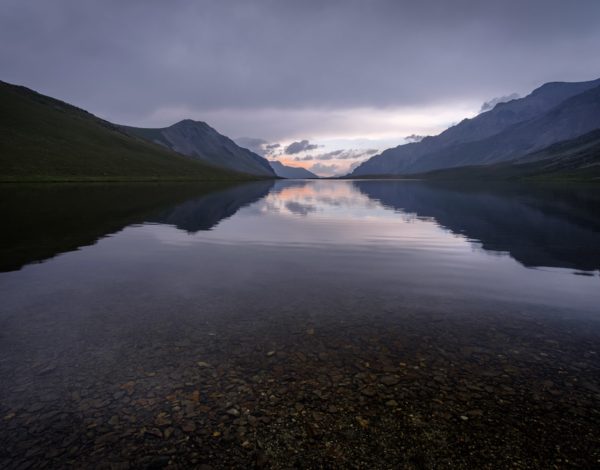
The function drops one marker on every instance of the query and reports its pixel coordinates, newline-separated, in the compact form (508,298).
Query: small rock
(162,419)
(128,387)
(188,426)
(154,432)
(362,422)
(389,380)
(368,392)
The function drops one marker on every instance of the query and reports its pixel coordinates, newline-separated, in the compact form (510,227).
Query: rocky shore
(404,390)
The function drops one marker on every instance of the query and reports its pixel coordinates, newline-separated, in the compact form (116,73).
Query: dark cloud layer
(131,60)
(301,146)
(416,137)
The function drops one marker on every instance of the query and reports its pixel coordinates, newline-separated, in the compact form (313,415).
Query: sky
(347,76)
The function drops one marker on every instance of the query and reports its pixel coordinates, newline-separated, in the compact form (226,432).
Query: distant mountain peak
(189,123)
(199,140)
(292,172)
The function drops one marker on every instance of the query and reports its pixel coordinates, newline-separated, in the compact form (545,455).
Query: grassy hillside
(43,139)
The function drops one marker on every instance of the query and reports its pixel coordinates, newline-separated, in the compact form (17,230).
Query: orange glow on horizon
(295,163)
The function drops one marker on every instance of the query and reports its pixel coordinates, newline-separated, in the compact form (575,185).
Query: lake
(335,324)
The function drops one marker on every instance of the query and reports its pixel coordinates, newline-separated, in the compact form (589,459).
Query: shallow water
(299,324)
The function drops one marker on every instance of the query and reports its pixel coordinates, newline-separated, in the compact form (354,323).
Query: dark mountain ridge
(553,112)
(573,159)
(198,140)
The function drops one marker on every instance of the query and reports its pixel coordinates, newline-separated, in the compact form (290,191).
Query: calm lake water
(300,324)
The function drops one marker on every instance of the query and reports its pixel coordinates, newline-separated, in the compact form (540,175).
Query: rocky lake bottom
(307,329)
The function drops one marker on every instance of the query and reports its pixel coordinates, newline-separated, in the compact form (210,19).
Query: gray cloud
(339,155)
(301,146)
(353,166)
(260,146)
(356,153)
(146,62)
(322,169)
(493,102)
(414,138)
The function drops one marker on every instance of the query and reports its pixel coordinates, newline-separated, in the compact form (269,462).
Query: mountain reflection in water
(539,226)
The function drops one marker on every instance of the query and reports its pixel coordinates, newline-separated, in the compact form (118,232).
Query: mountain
(553,112)
(291,172)
(581,151)
(577,158)
(44,139)
(198,140)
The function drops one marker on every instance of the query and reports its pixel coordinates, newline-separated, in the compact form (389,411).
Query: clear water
(297,299)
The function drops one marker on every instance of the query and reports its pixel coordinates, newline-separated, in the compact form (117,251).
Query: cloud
(301,146)
(356,153)
(414,138)
(349,154)
(353,166)
(235,65)
(322,169)
(260,146)
(251,143)
(488,105)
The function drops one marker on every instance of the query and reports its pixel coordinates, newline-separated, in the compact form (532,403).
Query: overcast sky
(343,75)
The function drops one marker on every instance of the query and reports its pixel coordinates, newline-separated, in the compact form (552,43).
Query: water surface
(300,323)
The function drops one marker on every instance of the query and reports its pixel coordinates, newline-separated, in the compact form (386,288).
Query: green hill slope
(44,139)
(573,159)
